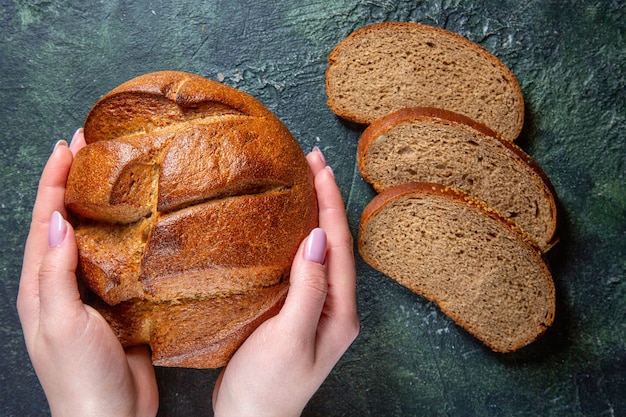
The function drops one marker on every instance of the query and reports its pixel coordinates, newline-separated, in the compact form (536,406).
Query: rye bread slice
(384,67)
(434,145)
(480,269)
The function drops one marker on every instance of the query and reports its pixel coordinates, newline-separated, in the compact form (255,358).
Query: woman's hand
(85,371)
(283,363)
(81,365)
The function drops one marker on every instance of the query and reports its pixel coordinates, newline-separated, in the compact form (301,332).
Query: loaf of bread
(432,145)
(189,202)
(453,249)
(387,66)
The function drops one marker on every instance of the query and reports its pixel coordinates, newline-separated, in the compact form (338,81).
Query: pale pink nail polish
(319,151)
(315,249)
(59,143)
(57,231)
(79,130)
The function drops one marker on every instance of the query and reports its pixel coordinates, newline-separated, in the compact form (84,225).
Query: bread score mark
(147,203)
(140,182)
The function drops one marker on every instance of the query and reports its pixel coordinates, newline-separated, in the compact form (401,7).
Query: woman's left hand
(82,367)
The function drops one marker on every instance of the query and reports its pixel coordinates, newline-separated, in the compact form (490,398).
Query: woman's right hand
(285,360)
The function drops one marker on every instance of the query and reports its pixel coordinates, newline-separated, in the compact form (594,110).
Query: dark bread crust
(408,113)
(466,306)
(439,190)
(158,99)
(510,151)
(189,202)
(173,325)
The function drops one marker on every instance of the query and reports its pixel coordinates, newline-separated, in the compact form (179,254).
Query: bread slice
(384,67)
(454,250)
(433,145)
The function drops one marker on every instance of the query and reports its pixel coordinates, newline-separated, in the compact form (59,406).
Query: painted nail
(59,143)
(318,150)
(79,130)
(57,231)
(315,250)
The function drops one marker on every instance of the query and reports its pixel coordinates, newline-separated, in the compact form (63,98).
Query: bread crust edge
(434,189)
(356,118)
(383,124)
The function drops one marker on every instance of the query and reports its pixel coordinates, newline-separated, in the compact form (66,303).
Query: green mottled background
(58,57)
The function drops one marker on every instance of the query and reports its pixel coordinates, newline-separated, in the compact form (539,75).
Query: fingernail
(57,231)
(79,130)
(318,150)
(332,173)
(59,143)
(315,250)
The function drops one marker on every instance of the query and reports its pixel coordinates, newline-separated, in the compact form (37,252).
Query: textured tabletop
(58,57)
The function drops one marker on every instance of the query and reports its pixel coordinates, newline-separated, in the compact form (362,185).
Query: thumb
(58,290)
(308,284)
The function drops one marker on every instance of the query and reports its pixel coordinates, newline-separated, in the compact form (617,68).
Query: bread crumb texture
(463,214)
(479,271)
(391,65)
(433,145)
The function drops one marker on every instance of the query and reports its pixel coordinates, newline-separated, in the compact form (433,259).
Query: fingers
(78,141)
(51,191)
(316,160)
(58,290)
(308,283)
(339,324)
(333,288)
(332,215)
(307,288)
(50,197)
(340,261)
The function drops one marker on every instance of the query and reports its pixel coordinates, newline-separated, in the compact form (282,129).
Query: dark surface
(57,58)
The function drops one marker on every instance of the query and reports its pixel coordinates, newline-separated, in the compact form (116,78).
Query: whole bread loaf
(432,145)
(453,249)
(387,66)
(189,203)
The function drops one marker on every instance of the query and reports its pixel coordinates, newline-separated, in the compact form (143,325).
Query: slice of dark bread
(383,67)
(434,145)
(453,249)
